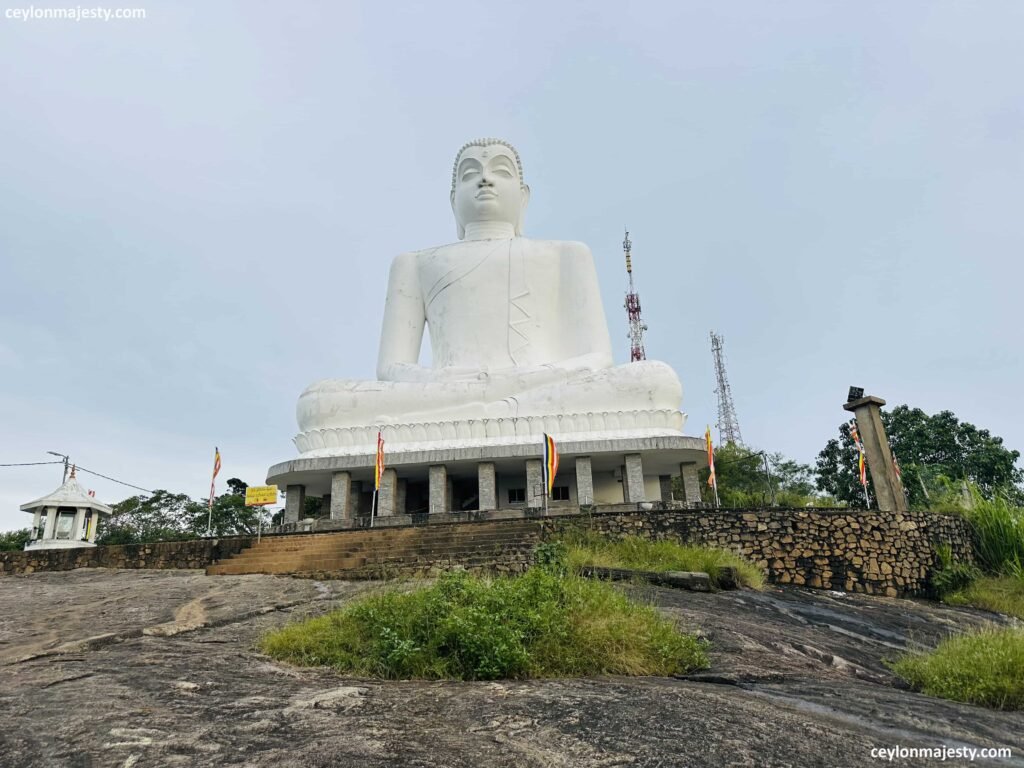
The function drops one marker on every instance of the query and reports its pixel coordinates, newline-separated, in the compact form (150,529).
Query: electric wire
(80,469)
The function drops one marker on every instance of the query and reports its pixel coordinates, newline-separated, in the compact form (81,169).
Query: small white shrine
(66,518)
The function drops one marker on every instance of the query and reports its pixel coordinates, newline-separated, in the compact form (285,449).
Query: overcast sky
(198,209)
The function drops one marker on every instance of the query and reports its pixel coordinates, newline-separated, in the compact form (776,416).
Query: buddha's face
(487,187)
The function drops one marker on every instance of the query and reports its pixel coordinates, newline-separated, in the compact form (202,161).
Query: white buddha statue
(518,339)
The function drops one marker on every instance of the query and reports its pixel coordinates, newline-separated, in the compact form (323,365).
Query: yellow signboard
(260,495)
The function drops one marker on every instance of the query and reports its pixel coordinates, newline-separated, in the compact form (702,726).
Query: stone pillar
(691,483)
(357,498)
(341,496)
(487,485)
(294,503)
(438,489)
(633,479)
(888,488)
(665,482)
(387,493)
(584,481)
(534,483)
(401,494)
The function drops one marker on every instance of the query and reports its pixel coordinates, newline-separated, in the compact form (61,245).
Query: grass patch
(463,627)
(984,667)
(659,556)
(1001,594)
(998,529)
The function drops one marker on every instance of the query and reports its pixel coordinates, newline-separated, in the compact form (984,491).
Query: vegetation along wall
(852,550)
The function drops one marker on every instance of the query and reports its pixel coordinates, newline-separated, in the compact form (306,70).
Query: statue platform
(495,476)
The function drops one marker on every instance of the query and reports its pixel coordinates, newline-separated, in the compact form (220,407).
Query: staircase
(390,552)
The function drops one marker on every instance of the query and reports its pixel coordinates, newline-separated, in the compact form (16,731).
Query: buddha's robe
(517,328)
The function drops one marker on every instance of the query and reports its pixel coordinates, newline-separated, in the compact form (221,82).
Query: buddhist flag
(550,463)
(861,464)
(216,471)
(378,470)
(712,479)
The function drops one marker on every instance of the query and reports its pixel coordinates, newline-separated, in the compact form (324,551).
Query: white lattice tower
(728,423)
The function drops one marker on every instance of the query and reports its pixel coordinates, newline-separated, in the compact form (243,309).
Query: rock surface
(130,668)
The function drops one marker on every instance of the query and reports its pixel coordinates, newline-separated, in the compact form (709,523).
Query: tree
(743,482)
(929,449)
(162,516)
(13,541)
(229,516)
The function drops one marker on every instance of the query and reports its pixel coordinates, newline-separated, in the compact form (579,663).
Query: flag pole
(213,481)
(373,507)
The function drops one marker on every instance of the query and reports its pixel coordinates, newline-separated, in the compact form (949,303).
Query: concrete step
(297,542)
(370,551)
(343,547)
(338,546)
(426,553)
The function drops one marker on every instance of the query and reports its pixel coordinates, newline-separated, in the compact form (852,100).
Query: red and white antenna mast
(636,324)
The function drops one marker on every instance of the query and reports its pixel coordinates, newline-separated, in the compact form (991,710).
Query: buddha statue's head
(488,186)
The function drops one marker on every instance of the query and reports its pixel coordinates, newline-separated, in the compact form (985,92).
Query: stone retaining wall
(851,550)
(855,551)
(197,553)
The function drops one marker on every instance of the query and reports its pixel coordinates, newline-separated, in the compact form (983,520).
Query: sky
(198,209)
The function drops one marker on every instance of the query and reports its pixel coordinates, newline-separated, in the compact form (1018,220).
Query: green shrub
(984,667)
(951,576)
(998,528)
(1000,594)
(12,541)
(587,548)
(463,627)
(552,555)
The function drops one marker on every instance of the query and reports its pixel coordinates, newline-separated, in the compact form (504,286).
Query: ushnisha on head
(488,186)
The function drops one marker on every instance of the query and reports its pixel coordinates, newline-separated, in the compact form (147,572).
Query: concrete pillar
(438,489)
(691,483)
(633,479)
(357,498)
(96,517)
(584,481)
(665,482)
(341,496)
(37,516)
(534,483)
(888,488)
(51,523)
(76,534)
(487,485)
(401,494)
(387,493)
(294,503)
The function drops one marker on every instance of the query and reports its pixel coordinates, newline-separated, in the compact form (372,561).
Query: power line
(32,464)
(121,482)
(80,469)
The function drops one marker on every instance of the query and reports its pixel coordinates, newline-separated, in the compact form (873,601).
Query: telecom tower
(728,423)
(636,325)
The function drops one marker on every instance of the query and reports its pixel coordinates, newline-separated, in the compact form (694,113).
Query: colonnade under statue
(502,478)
